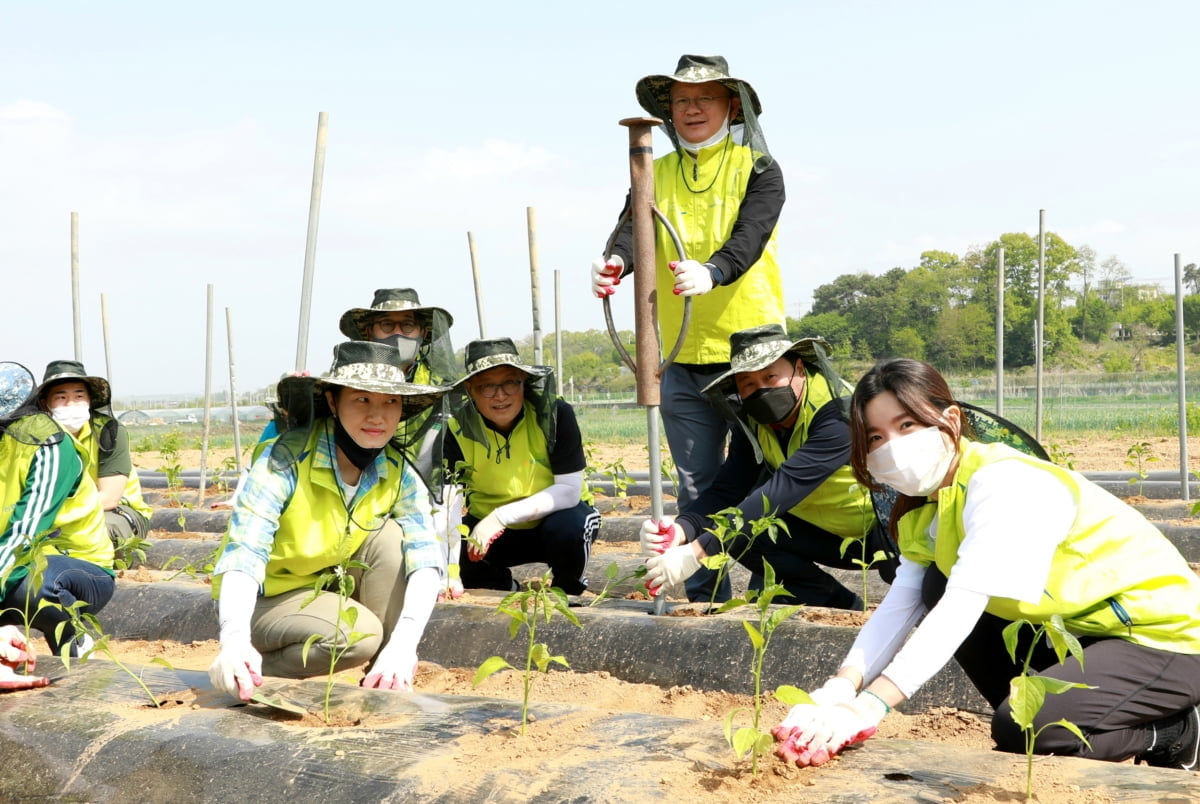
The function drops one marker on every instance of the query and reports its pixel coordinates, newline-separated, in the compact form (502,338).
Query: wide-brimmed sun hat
(376,367)
(60,371)
(354,322)
(491,352)
(758,347)
(654,91)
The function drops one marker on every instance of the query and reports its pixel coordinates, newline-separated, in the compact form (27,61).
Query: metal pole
(1040,325)
(558,352)
(310,244)
(531,222)
(1184,490)
(1000,332)
(641,204)
(208,321)
(478,290)
(108,372)
(75,315)
(233,398)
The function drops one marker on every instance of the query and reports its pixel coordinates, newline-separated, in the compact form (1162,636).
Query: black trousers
(1134,687)
(563,540)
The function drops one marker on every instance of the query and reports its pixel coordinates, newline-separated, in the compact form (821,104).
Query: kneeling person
(520,458)
(793,430)
(337,489)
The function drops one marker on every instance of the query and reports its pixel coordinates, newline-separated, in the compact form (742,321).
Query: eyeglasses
(388,326)
(704,102)
(509,387)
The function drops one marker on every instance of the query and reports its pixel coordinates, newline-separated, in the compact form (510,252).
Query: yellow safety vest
(1114,575)
(88,442)
(508,469)
(704,220)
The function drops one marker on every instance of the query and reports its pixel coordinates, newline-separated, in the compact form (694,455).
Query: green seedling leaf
(756,638)
(744,739)
(490,666)
(308,643)
(793,696)
(1026,696)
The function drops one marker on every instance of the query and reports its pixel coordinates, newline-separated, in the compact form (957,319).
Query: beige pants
(282,624)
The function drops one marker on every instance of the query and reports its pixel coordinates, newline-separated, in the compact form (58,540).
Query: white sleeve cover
(890,624)
(446,519)
(563,493)
(419,599)
(935,640)
(239,592)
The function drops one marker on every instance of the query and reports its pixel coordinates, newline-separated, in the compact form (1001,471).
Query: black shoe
(1175,741)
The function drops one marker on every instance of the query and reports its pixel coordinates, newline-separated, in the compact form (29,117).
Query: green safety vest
(831,506)
(1114,575)
(704,221)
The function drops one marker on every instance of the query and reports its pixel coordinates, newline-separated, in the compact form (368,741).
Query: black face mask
(771,405)
(358,455)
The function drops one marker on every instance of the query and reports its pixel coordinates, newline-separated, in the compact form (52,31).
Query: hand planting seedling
(1028,693)
(339,578)
(749,738)
(524,608)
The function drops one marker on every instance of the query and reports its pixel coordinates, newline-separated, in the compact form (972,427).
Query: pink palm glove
(486,531)
(606,275)
(658,537)
(820,732)
(14,651)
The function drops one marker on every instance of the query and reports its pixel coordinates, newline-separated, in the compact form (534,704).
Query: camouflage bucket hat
(60,371)
(654,91)
(354,322)
(376,367)
(758,347)
(487,354)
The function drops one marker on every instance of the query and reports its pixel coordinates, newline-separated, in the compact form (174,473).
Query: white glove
(237,670)
(606,275)
(486,531)
(661,536)
(672,567)
(835,691)
(14,651)
(453,589)
(833,727)
(396,664)
(691,278)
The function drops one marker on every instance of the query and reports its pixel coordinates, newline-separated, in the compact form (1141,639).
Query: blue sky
(183,136)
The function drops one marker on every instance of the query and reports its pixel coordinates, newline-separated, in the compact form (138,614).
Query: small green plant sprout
(750,738)
(538,601)
(727,525)
(589,468)
(1136,458)
(613,578)
(337,577)
(130,552)
(1028,693)
(1061,454)
(229,468)
(88,630)
(620,478)
(187,568)
(863,562)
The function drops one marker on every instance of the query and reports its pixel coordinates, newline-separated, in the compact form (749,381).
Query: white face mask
(72,417)
(717,136)
(914,464)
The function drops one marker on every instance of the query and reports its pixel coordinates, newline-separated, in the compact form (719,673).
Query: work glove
(671,567)
(237,670)
(486,531)
(606,275)
(14,651)
(396,664)
(831,728)
(658,537)
(801,716)
(691,278)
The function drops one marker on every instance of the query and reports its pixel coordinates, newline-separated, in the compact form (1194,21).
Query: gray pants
(282,624)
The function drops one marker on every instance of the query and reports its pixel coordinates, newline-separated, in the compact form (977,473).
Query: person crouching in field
(318,497)
(989,535)
(789,423)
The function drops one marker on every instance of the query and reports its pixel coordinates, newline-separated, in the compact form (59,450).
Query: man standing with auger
(723,193)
